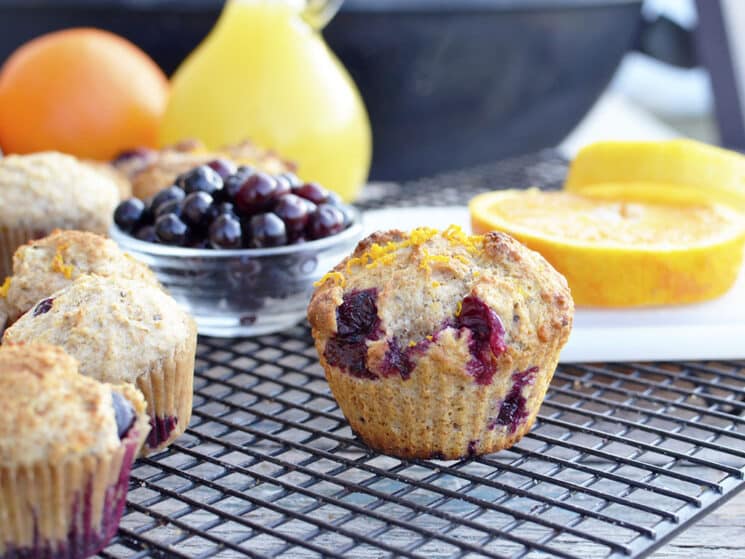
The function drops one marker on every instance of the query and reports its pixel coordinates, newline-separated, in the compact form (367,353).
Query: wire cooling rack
(621,458)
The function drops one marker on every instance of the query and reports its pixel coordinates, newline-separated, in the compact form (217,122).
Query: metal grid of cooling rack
(622,457)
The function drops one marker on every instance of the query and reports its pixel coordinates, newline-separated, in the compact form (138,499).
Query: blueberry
(43,306)
(174,207)
(218,209)
(284,187)
(124,414)
(196,241)
(311,191)
(293,210)
(142,155)
(195,210)
(148,217)
(166,195)
(222,167)
(348,217)
(267,230)
(233,183)
(324,222)
(487,337)
(200,179)
(357,321)
(225,232)
(226,208)
(245,170)
(170,230)
(292,179)
(335,200)
(257,194)
(129,213)
(357,316)
(147,234)
(310,205)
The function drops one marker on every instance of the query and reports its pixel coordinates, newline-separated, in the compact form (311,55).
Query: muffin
(46,191)
(123,185)
(151,171)
(123,330)
(46,265)
(440,344)
(67,444)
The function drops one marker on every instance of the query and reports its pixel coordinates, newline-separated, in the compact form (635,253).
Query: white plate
(712,330)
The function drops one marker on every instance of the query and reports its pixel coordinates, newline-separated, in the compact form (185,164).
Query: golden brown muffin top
(50,412)
(418,283)
(117,329)
(46,265)
(49,189)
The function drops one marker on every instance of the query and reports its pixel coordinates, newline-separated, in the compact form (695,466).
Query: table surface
(719,535)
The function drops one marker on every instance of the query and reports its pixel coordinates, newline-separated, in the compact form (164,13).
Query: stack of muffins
(78,291)
(96,366)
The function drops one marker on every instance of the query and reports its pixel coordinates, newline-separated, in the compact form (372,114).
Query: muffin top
(382,307)
(53,414)
(48,189)
(120,179)
(117,329)
(46,265)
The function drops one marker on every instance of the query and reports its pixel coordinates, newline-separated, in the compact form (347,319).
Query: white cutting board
(712,330)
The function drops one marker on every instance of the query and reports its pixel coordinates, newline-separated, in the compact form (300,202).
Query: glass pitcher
(264,73)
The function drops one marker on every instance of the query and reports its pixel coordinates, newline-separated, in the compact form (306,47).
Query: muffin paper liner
(10,239)
(168,389)
(440,414)
(69,509)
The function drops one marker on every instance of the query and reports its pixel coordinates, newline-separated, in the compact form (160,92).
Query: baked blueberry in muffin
(67,443)
(123,331)
(438,344)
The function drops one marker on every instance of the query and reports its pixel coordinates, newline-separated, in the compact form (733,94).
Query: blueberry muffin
(440,344)
(151,171)
(67,444)
(46,265)
(46,191)
(122,330)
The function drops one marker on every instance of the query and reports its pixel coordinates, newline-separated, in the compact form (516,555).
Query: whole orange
(86,92)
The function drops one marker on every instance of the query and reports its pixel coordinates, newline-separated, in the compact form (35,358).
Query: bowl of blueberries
(239,248)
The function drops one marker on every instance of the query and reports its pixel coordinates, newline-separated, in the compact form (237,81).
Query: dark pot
(454,84)
(448,84)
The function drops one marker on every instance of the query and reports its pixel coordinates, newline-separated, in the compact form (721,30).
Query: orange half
(624,245)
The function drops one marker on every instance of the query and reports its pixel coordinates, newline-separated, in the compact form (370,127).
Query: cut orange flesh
(624,245)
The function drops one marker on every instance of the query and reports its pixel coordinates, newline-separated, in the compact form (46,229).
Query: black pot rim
(453,6)
(370,6)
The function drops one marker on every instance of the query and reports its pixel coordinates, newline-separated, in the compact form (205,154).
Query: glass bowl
(243,292)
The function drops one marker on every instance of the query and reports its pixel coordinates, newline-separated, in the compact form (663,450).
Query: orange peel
(679,164)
